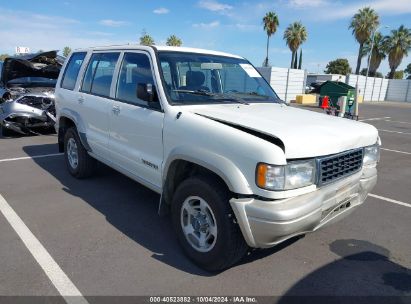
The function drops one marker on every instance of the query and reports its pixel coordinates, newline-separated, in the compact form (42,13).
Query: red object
(325,102)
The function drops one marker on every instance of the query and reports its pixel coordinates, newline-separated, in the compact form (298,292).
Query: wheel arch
(181,165)
(67,121)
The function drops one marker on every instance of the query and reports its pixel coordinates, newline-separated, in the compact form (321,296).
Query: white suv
(236,167)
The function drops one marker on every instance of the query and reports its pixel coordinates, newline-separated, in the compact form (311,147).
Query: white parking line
(29,157)
(396,121)
(390,200)
(56,275)
(395,151)
(399,132)
(376,118)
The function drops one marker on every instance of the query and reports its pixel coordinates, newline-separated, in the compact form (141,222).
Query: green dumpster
(336,89)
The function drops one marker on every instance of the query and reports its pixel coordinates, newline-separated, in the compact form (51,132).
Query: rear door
(94,100)
(67,91)
(136,128)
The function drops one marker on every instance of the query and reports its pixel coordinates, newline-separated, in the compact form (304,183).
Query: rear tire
(224,249)
(79,163)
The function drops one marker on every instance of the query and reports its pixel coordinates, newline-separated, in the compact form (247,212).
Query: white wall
(287,83)
(399,90)
(290,82)
(373,88)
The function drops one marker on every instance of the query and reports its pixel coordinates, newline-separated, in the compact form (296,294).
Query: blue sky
(226,25)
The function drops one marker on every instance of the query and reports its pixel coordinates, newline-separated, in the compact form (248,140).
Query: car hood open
(45,64)
(304,133)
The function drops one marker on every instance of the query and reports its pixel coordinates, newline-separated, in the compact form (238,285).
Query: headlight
(371,156)
(293,175)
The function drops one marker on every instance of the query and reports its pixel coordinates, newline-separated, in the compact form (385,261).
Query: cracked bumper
(267,223)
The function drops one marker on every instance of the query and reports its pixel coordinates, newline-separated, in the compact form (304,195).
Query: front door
(136,129)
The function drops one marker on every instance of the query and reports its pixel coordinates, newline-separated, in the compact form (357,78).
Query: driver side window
(135,70)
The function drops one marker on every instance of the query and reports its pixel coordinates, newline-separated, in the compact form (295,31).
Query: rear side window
(135,70)
(99,74)
(72,69)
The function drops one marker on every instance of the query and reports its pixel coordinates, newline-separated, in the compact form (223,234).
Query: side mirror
(147,92)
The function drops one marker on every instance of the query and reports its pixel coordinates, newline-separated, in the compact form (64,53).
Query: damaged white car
(27,93)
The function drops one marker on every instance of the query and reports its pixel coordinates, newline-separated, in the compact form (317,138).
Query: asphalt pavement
(105,236)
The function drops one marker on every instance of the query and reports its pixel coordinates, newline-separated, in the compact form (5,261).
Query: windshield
(191,78)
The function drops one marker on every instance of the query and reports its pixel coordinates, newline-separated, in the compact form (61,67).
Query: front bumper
(267,223)
(24,124)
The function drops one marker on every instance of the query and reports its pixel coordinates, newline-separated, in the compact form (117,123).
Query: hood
(45,64)
(304,133)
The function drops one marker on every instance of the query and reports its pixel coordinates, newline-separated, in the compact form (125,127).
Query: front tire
(205,224)
(79,163)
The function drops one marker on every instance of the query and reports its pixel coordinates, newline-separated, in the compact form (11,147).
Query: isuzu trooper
(235,166)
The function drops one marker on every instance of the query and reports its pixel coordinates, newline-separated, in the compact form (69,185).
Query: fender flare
(78,122)
(75,117)
(220,165)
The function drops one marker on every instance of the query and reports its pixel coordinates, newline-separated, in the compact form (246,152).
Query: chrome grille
(337,166)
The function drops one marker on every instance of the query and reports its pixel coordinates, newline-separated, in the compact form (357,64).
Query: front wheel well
(64,124)
(180,170)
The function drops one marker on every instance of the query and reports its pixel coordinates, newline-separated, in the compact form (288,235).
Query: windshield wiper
(252,94)
(195,92)
(233,98)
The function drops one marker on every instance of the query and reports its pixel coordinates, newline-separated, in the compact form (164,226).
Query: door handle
(116,110)
(80,99)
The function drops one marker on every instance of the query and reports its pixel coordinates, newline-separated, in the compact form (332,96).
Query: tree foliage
(363,24)
(295,35)
(66,51)
(146,39)
(371,74)
(408,70)
(338,66)
(174,41)
(397,44)
(396,75)
(378,52)
(4,56)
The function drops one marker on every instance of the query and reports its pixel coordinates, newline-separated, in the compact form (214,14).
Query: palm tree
(174,41)
(378,52)
(146,40)
(363,23)
(270,22)
(294,36)
(295,61)
(66,51)
(398,44)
